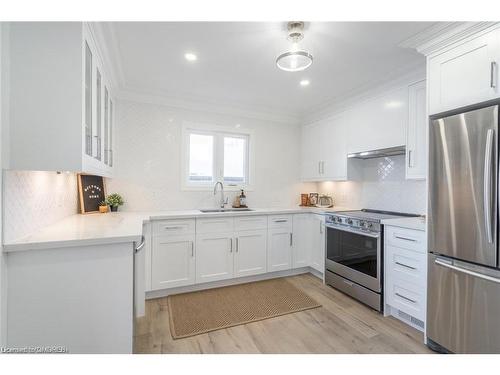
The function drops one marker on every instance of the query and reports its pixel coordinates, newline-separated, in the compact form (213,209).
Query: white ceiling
(236,61)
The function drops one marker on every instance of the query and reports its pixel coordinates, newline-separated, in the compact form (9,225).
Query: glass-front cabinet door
(98,134)
(111,156)
(88,100)
(106,126)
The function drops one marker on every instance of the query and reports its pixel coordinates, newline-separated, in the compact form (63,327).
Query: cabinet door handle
(493,66)
(291,239)
(237,244)
(230,245)
(320,227)
(405,265)
(192,249)
(322,167)
(405,238)
(319,167)
(406,298)
(409,158)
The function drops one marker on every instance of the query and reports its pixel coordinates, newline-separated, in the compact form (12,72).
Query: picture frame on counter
(91,192)
(313,199)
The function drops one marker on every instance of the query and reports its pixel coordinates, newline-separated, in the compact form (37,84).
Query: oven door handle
(361,233)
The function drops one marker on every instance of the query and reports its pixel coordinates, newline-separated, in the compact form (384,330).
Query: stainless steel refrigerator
(463,295)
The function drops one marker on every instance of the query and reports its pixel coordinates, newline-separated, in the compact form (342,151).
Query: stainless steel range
(354,254)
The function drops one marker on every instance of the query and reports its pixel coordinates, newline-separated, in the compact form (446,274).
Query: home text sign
(91,191)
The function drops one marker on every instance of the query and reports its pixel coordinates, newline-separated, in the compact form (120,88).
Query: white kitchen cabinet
(301,244)
(405,274)
(416,135)
(279,249)
(318,243)
(379,122)
(172,261)
(214,256)
(58,82)
(310,167)
(250,252)
(324,149)
(465,74)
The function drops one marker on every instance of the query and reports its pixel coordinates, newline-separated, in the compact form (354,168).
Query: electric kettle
(324,201)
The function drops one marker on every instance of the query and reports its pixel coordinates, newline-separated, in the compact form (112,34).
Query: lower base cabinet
(214,257)
(318,243)
(250,255)
(173,261)
(301,256)
(279,249)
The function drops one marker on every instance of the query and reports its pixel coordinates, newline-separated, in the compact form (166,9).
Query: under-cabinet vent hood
(380,153)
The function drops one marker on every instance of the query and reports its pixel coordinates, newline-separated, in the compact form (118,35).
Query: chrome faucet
(222,201)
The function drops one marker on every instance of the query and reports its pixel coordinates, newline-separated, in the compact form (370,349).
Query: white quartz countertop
(119,227)
(417,223)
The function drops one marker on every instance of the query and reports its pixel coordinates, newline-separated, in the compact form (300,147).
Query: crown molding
(442,34)
(200,105)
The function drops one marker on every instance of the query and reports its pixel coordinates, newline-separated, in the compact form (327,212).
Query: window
(214,155)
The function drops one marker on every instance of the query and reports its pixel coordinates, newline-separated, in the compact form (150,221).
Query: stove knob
(349,221)
(370,225)
(362,223)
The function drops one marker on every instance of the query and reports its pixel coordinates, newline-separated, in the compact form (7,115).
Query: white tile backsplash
(381,185)
(148,159)
(34,199)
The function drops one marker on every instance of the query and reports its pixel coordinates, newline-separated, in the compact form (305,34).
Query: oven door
(355,255)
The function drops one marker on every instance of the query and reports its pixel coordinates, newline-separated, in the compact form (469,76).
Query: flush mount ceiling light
(294,60)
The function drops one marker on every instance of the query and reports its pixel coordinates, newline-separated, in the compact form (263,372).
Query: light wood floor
(341,325)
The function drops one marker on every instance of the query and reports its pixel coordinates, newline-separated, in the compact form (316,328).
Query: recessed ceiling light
(305,82)
(191,56)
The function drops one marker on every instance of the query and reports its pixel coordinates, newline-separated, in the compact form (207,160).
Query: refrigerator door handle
(487,184)
(449,265)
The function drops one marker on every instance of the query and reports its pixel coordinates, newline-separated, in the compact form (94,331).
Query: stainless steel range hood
(380,153)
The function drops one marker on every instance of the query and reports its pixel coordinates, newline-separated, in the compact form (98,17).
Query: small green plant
(114,200)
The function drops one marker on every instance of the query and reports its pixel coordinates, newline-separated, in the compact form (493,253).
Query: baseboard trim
(241,280)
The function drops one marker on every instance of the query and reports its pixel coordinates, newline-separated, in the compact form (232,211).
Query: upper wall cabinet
(379,122)
(465,74)
(324,149)
(416,134)
(61,108)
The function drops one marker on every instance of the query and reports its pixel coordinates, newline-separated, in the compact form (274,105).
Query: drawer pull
(281,221)
(405,265)
(172,227)
(406,298)
(405,238)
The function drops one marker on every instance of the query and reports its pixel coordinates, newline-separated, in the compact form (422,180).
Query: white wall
(148,149)
(35,199)
(381,185)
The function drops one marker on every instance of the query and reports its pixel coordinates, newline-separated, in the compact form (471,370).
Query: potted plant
(103,207)
(114,200)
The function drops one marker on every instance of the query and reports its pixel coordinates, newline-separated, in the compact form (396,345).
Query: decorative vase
(103,209)
(114,208)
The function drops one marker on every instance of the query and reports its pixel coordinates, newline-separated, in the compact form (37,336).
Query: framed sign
(91,192)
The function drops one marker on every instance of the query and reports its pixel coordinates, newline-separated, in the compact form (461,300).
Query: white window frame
(219,132)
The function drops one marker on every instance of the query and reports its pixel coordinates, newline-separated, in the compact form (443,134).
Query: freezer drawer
(463,310)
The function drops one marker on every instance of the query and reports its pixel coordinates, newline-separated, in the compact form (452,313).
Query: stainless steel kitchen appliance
(354,254)
(463,296)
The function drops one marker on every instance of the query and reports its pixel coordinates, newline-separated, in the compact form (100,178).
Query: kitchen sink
(212,210)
